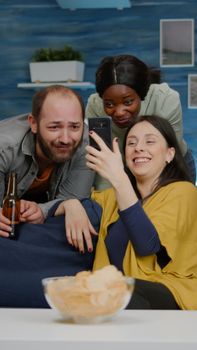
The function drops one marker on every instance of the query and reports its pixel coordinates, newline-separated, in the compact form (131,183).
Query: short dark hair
(40,96)
(177,169)
(126,70)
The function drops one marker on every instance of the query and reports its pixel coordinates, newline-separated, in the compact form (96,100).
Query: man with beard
(46,149)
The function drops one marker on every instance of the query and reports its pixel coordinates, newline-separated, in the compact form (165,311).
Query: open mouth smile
(139,160)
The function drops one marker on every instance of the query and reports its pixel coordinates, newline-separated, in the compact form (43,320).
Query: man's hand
(5,227)
(31,212)
(77,224)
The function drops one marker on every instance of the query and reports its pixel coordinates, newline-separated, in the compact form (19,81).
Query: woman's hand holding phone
(106,162)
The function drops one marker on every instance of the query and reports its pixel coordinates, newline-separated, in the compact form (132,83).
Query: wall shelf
(74,85)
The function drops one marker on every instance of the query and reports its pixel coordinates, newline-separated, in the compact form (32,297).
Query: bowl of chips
(89,297)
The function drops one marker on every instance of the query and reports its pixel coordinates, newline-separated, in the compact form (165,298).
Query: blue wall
(29,25)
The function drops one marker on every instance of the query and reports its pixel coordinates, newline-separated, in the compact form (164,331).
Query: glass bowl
(86,298)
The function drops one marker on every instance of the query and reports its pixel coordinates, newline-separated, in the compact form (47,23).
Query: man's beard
(51,155)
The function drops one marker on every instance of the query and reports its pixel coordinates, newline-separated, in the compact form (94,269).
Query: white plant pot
(57,71)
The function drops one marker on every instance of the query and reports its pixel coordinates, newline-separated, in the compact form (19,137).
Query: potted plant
(57,65)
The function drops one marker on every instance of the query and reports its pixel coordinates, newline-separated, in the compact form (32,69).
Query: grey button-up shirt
(71,179)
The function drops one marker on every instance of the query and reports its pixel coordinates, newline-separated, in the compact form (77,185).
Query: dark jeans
(152,296)
(189,159)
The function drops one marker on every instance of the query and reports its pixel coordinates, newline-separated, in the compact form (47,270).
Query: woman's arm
(136,225)
(133,226)
(140,230)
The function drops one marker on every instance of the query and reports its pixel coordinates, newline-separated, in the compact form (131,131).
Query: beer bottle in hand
(11,204)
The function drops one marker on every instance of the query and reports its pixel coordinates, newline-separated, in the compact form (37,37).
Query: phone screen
(102,126)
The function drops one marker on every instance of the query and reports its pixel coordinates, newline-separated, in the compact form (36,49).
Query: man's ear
(33,123)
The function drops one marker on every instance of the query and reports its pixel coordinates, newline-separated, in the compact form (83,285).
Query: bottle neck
(12,183)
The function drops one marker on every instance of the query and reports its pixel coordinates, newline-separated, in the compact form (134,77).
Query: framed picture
(192,90)
(176,42)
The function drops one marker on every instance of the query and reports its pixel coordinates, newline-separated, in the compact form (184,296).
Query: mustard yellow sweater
(173,212)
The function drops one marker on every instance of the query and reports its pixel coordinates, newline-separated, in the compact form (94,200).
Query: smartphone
(102,126)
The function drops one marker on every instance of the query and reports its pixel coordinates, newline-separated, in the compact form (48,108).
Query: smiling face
(147,152)
(121,103)
(59,127)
